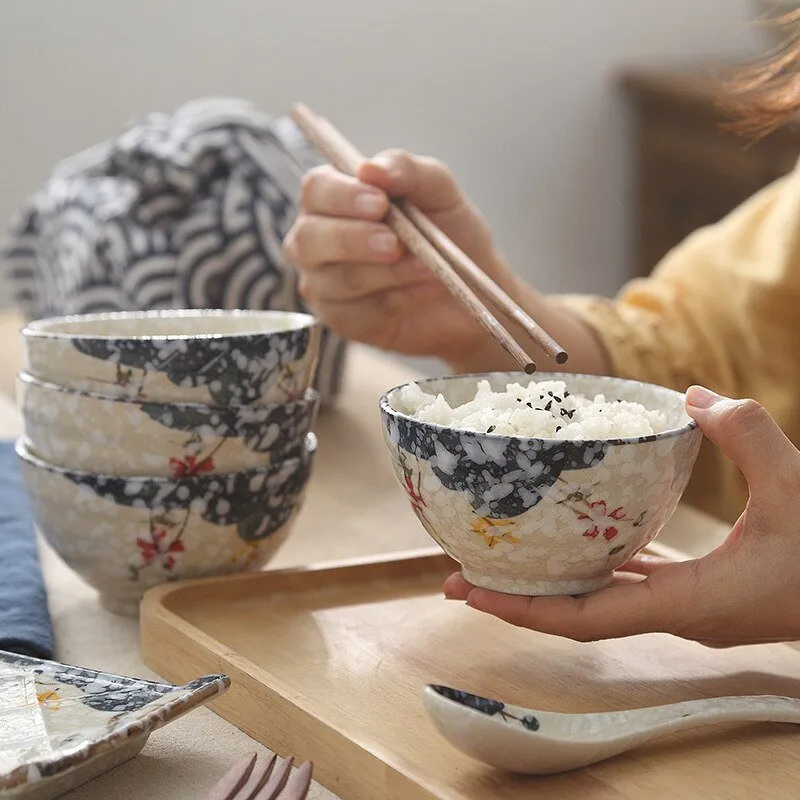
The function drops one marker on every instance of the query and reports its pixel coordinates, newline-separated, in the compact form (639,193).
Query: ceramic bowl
(220,358)
(541,516)
(114,436)
(125,535)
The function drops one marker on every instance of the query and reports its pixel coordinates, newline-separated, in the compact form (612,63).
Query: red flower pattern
(153,549)
(414,493)
(598,514)
(190,465)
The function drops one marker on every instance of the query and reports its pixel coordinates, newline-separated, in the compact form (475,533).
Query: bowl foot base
(537,587)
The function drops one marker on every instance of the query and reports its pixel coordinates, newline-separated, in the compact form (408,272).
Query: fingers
(340,283)
(456,588)
(394,173)
(316,240)
(632,607)
(625,610)
(424,181)
(746,434)
(328,192)
(644,564)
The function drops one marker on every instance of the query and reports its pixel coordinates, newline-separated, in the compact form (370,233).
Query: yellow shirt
(722,309)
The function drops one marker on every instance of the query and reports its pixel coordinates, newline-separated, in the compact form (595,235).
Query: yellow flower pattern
(246,556)
(49,698)
(488,528)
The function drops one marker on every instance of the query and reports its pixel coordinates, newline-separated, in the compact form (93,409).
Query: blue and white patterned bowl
(220,358)
(127,437)
(541,516)
(126,535)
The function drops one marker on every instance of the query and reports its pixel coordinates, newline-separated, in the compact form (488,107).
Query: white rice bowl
(540,487)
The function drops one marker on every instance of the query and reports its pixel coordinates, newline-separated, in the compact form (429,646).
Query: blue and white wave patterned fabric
(181,210)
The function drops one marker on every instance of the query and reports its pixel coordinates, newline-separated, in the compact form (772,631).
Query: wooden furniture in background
(689,172)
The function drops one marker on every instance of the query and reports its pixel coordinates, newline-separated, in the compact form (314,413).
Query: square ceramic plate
(61,726)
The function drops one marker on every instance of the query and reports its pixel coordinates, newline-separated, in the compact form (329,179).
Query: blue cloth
(25,624)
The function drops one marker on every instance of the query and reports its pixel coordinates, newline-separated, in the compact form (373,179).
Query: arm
(721,309)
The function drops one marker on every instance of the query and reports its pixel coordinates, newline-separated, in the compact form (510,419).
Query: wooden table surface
(353,509)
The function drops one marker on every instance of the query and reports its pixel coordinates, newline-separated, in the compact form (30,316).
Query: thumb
(423,181)
(746,433)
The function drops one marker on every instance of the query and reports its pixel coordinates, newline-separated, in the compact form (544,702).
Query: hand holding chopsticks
(434,249)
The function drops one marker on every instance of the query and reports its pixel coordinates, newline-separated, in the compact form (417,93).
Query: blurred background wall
(519,96)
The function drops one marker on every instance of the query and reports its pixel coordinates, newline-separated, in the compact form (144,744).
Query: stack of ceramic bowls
(167,445)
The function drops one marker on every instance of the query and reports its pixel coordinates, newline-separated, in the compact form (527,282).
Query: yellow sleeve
(722,309)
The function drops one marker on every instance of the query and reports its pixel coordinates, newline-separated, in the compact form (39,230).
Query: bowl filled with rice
(540,487)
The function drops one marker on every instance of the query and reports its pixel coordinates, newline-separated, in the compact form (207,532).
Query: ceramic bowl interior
(218,357)
(534,515)
(177,324)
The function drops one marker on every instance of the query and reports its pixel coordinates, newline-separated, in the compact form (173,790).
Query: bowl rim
(38,329)
(309,397)
(24,453)
(670,433)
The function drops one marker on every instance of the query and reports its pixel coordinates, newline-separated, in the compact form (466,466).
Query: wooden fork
(246,781)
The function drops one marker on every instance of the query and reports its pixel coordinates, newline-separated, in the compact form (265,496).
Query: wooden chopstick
(346,158)
(469,269)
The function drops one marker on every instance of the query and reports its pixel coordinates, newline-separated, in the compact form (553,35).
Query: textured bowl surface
(115,436)
(125,535)
(217,357)
(63,726)
(541,516)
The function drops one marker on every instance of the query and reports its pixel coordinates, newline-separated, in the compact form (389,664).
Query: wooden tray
(328,664)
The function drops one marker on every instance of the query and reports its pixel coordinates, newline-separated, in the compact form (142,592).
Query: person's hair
(763,96)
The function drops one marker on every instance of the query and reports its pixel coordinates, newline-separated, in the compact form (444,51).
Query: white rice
(542,410)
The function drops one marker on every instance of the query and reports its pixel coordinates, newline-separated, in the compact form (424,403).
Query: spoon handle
(661,720)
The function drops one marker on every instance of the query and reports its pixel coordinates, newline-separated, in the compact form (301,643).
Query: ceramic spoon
(532,742)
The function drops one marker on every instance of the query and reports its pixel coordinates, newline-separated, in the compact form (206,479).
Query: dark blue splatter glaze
(502,476)
(485,705)
(235,369)
(257,501)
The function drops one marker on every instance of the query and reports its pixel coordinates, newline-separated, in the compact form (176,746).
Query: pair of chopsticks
(435,249)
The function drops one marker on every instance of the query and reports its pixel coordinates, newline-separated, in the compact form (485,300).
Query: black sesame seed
(549,405)
(558,428)
(557,399)
(490,428)
(530,405)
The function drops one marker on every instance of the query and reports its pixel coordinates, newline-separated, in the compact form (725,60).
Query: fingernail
(384,243)
(369,203)
(700,397)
